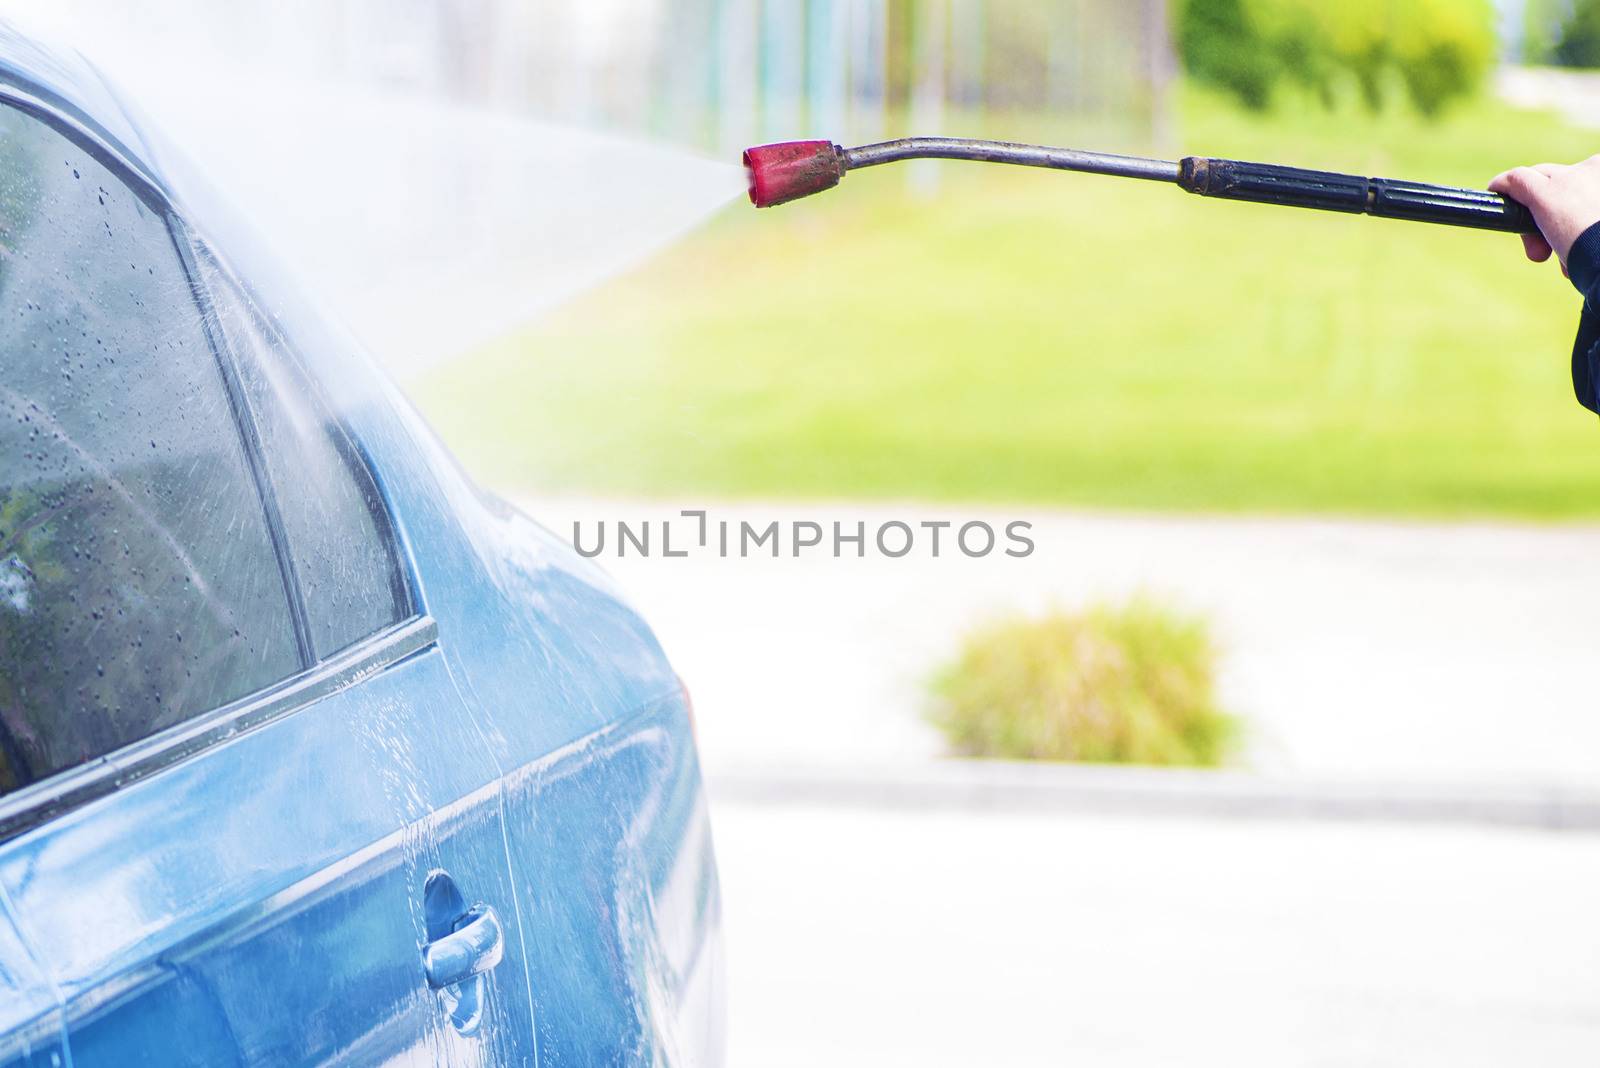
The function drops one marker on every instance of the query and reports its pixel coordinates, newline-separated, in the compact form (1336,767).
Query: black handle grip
(1266,183)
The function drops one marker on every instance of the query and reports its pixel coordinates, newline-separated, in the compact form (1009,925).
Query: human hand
(1564,200)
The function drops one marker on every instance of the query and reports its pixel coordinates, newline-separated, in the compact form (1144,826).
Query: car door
(244,814)
(30,1014)
(609,833)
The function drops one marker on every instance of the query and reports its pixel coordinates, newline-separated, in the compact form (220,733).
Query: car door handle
(475,945)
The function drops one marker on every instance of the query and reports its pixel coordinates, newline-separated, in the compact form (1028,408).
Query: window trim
(352,452)
(71,788)
(244,421)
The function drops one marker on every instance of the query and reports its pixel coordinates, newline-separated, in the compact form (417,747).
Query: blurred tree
(1541,28)
(1577,42)
(898,63)
(1219,44)
(1443,50)
(1436,50)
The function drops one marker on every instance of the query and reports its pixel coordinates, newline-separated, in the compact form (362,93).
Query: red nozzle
(791,170)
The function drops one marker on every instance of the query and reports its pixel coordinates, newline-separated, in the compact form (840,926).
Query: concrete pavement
(858,936)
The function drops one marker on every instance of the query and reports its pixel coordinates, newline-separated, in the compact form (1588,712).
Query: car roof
(62,80)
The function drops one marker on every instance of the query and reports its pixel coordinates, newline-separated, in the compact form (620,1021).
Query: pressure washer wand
(783,172)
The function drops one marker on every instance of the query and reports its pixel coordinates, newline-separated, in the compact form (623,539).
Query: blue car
(310,751)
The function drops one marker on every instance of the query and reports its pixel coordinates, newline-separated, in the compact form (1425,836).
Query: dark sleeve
(1583,266)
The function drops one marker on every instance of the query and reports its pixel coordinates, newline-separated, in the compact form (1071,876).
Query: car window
(139,584)
(333,515)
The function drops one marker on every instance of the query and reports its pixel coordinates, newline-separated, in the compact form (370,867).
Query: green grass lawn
(1074,340)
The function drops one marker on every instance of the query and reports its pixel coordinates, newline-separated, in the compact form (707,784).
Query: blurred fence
(716,73)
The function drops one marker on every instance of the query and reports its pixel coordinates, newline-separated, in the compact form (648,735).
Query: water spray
(783,172)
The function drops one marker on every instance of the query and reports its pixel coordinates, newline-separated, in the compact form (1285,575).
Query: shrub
(1438,50)
(1122,685)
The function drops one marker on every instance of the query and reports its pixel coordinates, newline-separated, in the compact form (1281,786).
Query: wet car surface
(309,750)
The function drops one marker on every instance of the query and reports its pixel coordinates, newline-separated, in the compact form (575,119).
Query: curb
(1005,786)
